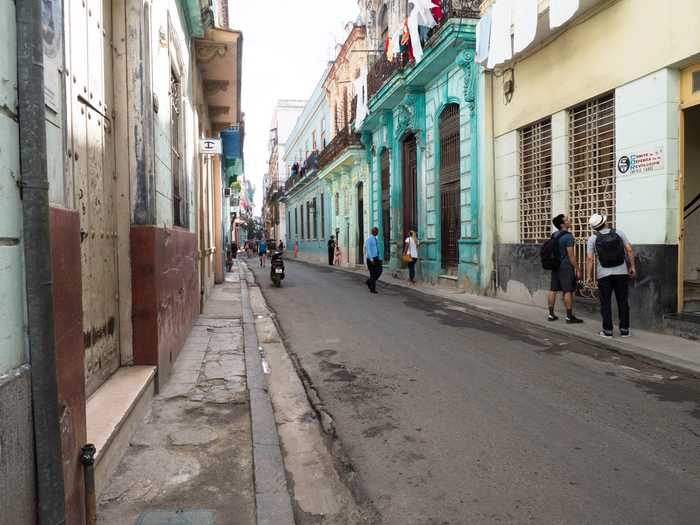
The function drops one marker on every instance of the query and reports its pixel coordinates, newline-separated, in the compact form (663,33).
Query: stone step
(112,414)
(448,281)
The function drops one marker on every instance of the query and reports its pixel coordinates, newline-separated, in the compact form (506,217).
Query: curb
(648,356)
(273,505)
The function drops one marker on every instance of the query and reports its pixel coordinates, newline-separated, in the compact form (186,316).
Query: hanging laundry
(396,42)
(424,15)
(389,48)
(524,24)
(483,36)
(361,109)
(501,45)
(416,47)
(561,11)
(438,15)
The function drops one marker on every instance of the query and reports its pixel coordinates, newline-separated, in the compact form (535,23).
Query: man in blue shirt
(374,263)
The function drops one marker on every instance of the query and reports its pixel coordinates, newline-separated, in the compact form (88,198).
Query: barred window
(323,217)
(591,166)
(302,221)
(315,217)
(536,182)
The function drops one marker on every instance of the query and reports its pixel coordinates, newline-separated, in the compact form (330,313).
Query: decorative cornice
(207,51)
(217,111)
(211,87)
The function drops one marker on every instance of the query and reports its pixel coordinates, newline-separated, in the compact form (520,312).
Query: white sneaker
(603,333)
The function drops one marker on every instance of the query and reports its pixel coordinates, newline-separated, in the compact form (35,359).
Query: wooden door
(360,222)
(90,140)
(449,186)
(386,204)
(410,186)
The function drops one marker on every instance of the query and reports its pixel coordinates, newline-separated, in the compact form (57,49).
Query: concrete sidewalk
(192,457)
(672,351)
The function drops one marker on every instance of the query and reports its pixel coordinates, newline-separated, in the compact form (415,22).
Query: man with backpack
(558,254)
(615,268)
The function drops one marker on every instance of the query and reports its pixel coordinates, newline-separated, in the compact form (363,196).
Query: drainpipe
(35,196)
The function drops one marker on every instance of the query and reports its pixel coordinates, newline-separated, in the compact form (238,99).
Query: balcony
(299,172)
(343,140)
(382,70)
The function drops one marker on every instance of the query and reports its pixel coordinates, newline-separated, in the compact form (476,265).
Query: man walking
(565,276)
(374,263)
(615,268)
(331,250)
(262,252)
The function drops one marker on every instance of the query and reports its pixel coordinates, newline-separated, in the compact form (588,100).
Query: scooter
(277,269)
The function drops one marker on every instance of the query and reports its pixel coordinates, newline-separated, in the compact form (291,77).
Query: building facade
(423,145)
(129,89)
(305,199)
(622,142)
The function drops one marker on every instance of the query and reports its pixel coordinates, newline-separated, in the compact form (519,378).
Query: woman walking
(411,254)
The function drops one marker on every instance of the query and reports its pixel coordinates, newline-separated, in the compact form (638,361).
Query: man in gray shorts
(565,277)
(615,267)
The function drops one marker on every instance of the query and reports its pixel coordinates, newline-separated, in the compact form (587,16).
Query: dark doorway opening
(386,204)
(410,185)
(360,223)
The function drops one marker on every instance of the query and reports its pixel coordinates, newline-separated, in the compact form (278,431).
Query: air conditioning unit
(227,193)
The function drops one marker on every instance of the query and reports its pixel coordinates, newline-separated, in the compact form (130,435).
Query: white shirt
(412,248)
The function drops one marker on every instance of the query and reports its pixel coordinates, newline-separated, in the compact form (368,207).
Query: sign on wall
(210,146)
(642,161)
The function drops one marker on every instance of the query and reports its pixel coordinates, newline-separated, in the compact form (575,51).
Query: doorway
(360,223)
(410,186)
(386,205)
(689,238)
(449,188)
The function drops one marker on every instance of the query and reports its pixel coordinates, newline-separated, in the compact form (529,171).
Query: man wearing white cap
(615,267)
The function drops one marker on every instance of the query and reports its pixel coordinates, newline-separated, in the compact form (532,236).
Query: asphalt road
(451,417)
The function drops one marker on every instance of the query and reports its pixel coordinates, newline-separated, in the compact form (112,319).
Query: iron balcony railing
(382,70)
(342,141)
(299,171)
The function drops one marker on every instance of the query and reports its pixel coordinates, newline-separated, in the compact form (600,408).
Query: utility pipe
(37,250)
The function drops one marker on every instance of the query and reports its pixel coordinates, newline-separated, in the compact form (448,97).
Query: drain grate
(176,517)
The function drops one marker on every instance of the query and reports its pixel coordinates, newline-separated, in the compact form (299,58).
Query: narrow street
(450,417)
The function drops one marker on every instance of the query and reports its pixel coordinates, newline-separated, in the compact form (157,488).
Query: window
(337,204)
(383,25)
(289,225)
(308,221)
(591,166)
(302,221)
(315,217)
(296,223)
(536,182)
(323,218)
(323,133)
(314,145)
(177,172)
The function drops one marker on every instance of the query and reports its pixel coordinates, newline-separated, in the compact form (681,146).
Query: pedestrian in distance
(338,255)
(234,249)
(410,255)
(615,267)
(280,246)
(374,263)
(296,249)
(331,250)
(262,252)
(558,254)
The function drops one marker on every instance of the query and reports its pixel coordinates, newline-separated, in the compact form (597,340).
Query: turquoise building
(424,153)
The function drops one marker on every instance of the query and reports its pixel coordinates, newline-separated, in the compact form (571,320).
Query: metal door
(410,186)
(386,204)
(90,141)
(360,222)
(449,186)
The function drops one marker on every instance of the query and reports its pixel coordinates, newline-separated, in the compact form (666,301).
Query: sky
(286,46)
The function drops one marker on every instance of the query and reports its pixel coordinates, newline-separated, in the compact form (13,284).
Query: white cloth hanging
(424,15)
(483,36)
(501,44)
(361,109)
(561,11)
(524,24)
(415,36)
(396,42)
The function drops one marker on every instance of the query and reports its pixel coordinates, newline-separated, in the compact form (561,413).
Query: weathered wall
(165,288)
(17,497)
(70,370)
(586,47)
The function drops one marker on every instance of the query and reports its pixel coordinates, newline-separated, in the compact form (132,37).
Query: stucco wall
(646,36)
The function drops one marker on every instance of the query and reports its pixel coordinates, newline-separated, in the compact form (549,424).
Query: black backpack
(550,254)
(610,249)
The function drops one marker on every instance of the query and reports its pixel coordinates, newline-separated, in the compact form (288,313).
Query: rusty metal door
(90,142)
(410,186)
(449,186)
(386,204)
